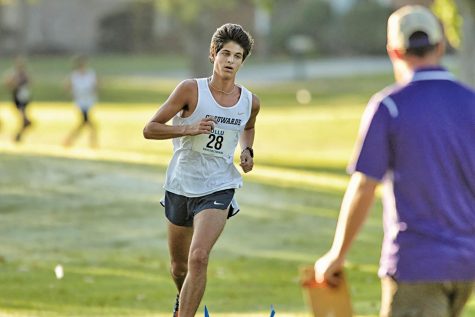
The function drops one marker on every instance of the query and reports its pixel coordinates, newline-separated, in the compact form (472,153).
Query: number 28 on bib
(219,142)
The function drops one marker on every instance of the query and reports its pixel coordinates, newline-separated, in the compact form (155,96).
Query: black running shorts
(180,210)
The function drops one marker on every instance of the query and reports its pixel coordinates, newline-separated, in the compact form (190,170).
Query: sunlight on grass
(122,141)
(97,213)
(149,314)
(88,154)
(101,271)
(287,177)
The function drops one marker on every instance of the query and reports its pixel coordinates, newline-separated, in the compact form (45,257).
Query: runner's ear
(212,55)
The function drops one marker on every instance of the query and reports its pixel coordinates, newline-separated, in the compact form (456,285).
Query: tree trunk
(2,31)
(197,40)
(262,26)
(22,48)
(467,49)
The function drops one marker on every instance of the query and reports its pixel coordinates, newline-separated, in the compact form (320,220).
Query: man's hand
(205,126)
(328,269)
(247,162)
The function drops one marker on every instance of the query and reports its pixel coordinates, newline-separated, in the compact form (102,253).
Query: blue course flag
(206,311)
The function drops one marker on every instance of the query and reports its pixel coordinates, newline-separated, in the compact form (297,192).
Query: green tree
(21,44)
(199,18)
(467,50)
(458,17)
(448,13)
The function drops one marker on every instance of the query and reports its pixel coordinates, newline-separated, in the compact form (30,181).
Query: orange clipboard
(324,300)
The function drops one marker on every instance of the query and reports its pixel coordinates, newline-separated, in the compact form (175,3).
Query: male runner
(82,83)
(210,116)
(18,81)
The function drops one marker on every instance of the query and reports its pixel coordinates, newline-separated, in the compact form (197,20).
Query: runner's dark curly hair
(231,32)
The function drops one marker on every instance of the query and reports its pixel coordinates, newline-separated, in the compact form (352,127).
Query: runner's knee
(179,269)
(198,258)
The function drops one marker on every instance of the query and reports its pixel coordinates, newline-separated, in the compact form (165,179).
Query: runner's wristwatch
(251,151)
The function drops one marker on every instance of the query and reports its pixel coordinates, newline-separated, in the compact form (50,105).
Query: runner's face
(228,60)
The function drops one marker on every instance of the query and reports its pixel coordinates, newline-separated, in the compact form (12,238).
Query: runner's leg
(179,240)
(208,225)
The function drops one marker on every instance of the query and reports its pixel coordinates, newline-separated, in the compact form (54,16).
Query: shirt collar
(432,73)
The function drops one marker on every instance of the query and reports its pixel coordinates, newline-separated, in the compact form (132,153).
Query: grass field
(97,213)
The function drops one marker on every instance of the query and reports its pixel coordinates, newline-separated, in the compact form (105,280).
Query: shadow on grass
(102,221)
(337,170)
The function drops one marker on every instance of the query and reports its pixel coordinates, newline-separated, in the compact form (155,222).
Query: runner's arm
(184,95)
(247,137)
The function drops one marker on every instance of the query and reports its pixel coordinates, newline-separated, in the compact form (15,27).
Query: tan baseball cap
(404,22)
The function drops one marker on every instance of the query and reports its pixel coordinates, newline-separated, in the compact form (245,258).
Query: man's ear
(394,54)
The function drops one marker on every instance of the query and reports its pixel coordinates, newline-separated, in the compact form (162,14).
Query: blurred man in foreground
(418,139)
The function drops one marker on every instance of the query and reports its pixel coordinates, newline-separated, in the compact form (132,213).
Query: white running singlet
(203,164)
(83,85)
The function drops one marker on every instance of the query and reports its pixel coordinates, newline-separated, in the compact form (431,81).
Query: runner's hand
(205,126)
(247,162)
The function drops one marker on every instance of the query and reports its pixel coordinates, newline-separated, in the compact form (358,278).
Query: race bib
(219,142)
